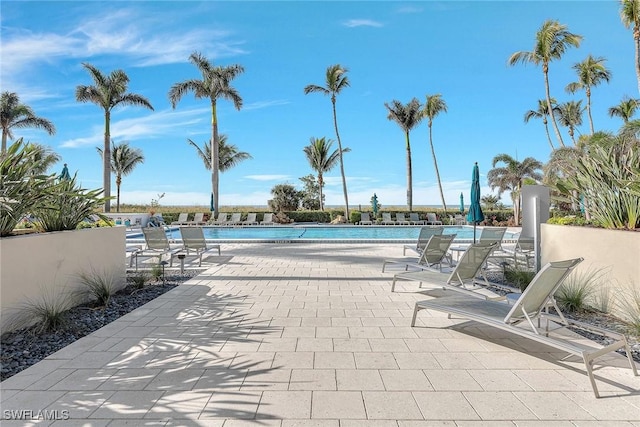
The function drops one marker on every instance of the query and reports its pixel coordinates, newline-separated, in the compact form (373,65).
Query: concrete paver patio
(309,335)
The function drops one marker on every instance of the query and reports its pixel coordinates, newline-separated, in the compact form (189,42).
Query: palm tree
(44,157)
(626,109)
(434,106)
(407,117)
(511,176)
(321,159)
(335,80)
(124,159)
(541,113)
(108,92)
(552,41)
(570,116)
(215,83)
(13,114)
(630,16)
(591,72)
(229,154)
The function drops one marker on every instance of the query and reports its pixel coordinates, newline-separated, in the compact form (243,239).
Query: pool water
(319,233)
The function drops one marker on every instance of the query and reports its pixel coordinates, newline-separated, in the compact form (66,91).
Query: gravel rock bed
(23,348)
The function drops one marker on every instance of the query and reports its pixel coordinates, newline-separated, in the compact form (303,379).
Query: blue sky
(393,50)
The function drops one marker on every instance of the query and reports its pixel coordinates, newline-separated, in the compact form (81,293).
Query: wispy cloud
(409,9)
(161,123)
(352,23)
(268,177)
(123,32)
(265,104)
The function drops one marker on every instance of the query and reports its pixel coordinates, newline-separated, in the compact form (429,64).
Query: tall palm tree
(13,114)
(215,83)
(124,160)
(591,72)
(229,155)
(44,157)
(630,16)
(552,41)
(434,106)
(335,80)
(321,159)
(511,176)
(570,116)
(542,113)
(625,109)
(407,117)
(108,92)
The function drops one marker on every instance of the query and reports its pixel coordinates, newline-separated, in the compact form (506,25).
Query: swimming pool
(320,233)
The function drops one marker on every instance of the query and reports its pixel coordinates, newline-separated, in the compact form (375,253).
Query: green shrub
(628,303)
(138,280)
(578,289)
(46,313)
(22,189)
(67,205)
(567,220)
(518,277)
(97,286)
(310,216)
(156,271)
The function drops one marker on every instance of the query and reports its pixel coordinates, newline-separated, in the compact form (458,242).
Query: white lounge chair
(198,219)
(157,245)
(435,252)
(521,254)
(463,276)
(424,236)
(530,309)
(193,241)
(182,219)
(236,219)
(365,219)
(401,219)
(414,218)
(386,219)
(222,219)
(432,219)
(251,219)
(267,219)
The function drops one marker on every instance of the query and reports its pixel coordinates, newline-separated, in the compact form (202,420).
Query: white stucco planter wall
(34,264)
(616,250)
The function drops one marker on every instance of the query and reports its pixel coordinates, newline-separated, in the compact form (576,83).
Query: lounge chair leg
(393,285)
(588,364)
(415,315)
(383,265)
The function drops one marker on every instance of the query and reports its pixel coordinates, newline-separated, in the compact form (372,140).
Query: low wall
(616,250)
(44,265)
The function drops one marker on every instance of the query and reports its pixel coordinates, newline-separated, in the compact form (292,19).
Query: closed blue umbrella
(65,173)
(475,214)
(461,202)
(211,204)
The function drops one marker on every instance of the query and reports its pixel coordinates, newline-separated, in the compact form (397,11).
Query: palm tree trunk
(545,70)
(344,179)
(636,38)
(118,182)
(106,162)
(409,175)
(546,128)
(320,186)
(435,165)
(588,93)
(215,156)
(4,141)
(571,135)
